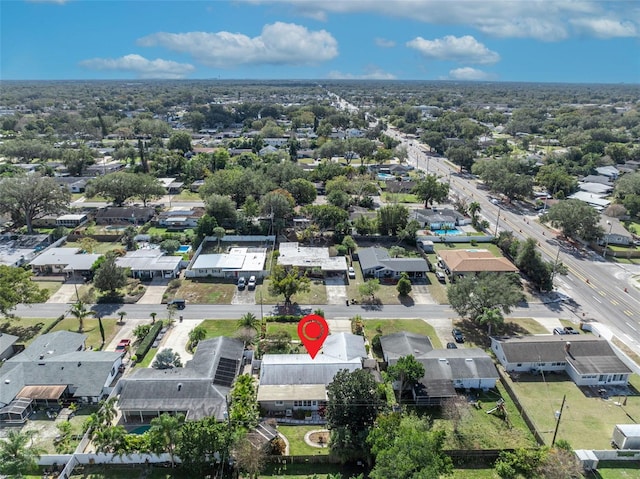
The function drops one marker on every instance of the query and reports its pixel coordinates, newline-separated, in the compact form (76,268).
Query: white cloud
(460,49)
(384,43)
(605,27)
(278,44)
(469,74)
(371,73)
(546,20)
(140,66)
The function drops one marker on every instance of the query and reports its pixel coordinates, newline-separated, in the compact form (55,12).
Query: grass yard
(51,286)
(91,329)
(225,327)
(477,335)
(206,291)
(480,430)
(27,329)
(390,326)
(617,470)
(587,422)
(101,247)
(306,471)
(437,290)
(186,195)
(399,198)
(317,294)
(148,358)
(297,446)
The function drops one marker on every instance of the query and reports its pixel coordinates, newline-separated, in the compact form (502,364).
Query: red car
(123,345)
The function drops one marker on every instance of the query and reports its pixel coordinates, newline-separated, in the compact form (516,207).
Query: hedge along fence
(53,324)
(148,340)
(284,318)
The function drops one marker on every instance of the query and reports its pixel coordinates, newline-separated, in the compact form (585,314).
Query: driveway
(420,294)
(66,293)
(154,291)
(177,336)
(336,290)
(244,296)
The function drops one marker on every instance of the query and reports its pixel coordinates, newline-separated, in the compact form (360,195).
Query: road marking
(629,337)
(614,302)
(569,278)
(629,324)
(597,300)
(628,313)
(602,293)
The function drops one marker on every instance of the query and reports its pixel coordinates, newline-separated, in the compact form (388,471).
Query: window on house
(279,403)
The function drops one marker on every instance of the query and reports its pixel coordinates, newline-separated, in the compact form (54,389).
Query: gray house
(197,390)
(7,345)
(376,262)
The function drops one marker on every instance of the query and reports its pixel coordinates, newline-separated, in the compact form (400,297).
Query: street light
(606,239)
(498,220)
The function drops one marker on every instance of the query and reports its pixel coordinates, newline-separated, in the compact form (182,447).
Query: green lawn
(618,470)
(390,326)
(148,358)
(206,291)
(297,446)
(587,422)
(317,294)
(225,327)
(27,329)
(399,198)
(91,329)
(102,247)
(51,286)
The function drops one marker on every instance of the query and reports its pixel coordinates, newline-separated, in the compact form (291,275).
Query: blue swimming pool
(140,429)
(185,248)
(385,176)
(452,232)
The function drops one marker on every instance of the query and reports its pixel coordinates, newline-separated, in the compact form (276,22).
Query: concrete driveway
(66,293)
(420,294)
(244,296)
(336,290)
(177,336)
(154,292)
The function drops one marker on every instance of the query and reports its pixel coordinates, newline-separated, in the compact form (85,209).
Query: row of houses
(57,367)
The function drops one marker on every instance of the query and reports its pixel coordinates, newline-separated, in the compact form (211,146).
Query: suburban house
(614,232)
(376,262)
(445,369)
(588,361)
(404,186)
(595,200)
(74,184)
(72,220)
(239,261)
(296,381)
(179,219)
(149,263)
(63,260)
(197,390)
(312,259)
(55,367)
(7,345)
(18,250)
(474,261)
(440,218)
(124,215)
(171,185)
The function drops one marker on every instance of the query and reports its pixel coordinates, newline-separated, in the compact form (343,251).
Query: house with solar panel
(197,390)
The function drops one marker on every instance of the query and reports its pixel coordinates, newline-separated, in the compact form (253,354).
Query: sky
(567,41)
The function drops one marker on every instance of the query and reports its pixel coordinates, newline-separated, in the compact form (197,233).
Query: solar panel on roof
(226,372)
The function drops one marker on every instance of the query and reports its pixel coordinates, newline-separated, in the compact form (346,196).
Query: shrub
(148,340)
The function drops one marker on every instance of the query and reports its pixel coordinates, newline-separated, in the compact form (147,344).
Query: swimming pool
(185,248)
(140,429)
(451,232)
(385,176)
(115,228)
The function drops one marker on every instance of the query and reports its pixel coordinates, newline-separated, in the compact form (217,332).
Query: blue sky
(498,40)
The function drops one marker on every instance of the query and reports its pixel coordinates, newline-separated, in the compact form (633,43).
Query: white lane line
(629,324)
(597,300)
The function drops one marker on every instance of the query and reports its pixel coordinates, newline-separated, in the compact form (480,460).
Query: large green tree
(430,189)
(471,296)
(115,187)
(148,188)
(180,140)
(303,191)
(575,219)
(244,409)
(512,177)
(200,441)
(16,287)
(412,450)
(406,371)
(287,282)
(353,405)
(223,209)
(165,434)
(109,276)
(18,456)
(27,197)
(391,219)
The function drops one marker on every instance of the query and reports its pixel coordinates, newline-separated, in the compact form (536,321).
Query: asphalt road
(596,285)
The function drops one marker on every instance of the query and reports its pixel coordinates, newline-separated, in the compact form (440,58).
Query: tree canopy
(16,287)
(431,190)
(575,219)
(287,282)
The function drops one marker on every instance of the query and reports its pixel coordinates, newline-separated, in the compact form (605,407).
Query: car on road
(177,303)
(242,283)
(251,285)
(352,272)
(457,335)
(441,277)
(123,345)
(452,346)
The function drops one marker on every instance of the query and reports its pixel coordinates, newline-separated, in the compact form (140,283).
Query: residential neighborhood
(471,269)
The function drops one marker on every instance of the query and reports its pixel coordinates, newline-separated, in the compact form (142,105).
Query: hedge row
(284,318)
(148,340)
(52,325)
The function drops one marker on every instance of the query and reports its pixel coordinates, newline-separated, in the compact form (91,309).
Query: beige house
(474,261)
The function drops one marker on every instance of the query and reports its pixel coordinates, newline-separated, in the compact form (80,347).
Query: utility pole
(498,220)
(555,265)
(559,416)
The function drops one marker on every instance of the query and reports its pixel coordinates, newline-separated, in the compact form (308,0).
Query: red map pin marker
(312,331)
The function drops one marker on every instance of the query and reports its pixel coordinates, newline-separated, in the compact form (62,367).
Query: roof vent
(7,381)
(79,364)
(567,346)
(469,359)
(41,356)
(179,386)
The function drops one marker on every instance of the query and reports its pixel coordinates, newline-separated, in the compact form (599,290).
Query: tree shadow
(23,332)
(406,301)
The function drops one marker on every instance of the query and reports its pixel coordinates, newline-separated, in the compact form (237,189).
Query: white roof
(238,259)
(292,254)
(59,256)
(286,392)
(155,262)
(72,217)
(590,198)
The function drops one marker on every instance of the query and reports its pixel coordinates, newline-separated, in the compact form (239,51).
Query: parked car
(457,335)
(441,277)
(123,345)
(177,303)
(242,283)
(452,346)
(251,285)
(352,272)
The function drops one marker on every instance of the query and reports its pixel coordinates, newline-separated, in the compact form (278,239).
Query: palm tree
(249,320)
(219,233)
(197,334)
(17,456)
(122,314)
(153,317)
(80,312)
(106,411)
(474,209)
(110,439)
(165,433)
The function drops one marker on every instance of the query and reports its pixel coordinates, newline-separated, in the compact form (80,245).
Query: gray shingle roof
(7,341)
(345,346)
(401,344)
(452,364)
(301,369)
(375,257)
